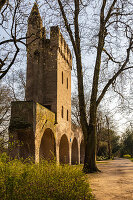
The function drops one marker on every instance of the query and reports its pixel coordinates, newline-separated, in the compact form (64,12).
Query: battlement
(64,50)
(57,39)
(37,32)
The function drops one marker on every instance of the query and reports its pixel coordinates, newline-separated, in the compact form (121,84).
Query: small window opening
(64,46)
(67,50)
(62,112)
(62,77)
(67,115)
(67,83)
(61,39)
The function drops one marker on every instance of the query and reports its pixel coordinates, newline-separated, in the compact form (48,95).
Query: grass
(102,162)
(20,180)
(131,159)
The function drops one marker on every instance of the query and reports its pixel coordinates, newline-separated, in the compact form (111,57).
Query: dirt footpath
(115,182)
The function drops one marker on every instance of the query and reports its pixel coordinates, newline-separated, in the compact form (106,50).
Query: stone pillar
(70,152)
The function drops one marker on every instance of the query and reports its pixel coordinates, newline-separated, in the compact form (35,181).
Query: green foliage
(127,143)
(115,143)
(100,158)
(103,149)
(104,140)
(127,156)
(2,146)
(25,180)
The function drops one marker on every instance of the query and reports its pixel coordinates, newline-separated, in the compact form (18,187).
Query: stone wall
(28,123)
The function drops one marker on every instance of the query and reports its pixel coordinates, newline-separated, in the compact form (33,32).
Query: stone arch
(64,150)
(47,148)
(74,158)
(82,152)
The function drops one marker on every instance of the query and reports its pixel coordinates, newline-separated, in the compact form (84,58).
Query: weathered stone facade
(43,122)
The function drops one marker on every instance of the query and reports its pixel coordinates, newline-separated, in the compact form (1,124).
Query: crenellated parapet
(58,43)
(64,50)
(36,38)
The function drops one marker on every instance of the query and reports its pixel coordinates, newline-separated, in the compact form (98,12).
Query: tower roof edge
(35,12)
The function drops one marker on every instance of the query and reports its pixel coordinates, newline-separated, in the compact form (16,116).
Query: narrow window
(67,83)
(61,39)
(62,112)
(67,50)
(62,77)
(64,46)
(67,115)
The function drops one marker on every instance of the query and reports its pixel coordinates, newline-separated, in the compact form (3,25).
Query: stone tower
(40,127)
(49,64)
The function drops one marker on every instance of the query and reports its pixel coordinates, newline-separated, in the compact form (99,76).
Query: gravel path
(115,182)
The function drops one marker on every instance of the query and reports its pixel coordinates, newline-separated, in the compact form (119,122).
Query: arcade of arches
(48,149)
(42,138)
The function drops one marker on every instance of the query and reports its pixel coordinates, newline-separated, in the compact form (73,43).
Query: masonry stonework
(43,122)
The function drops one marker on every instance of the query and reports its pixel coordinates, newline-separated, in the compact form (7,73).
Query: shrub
(127,156)
(100,158)
(103,149)
(25,180)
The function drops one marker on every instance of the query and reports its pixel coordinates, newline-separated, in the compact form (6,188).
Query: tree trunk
(109,144)
(89,131)
(90,151)
(109,140)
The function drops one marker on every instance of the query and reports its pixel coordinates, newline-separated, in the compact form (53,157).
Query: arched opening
(74,159)
(64,150)
(47,147)
(82,152)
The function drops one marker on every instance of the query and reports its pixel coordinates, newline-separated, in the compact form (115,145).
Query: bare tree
(113,43)
(5,100)
(12,89)
(75,108)
(13,24)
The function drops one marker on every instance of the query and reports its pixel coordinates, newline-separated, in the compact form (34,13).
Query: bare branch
(110,10)
(3,73)
(116,74)
(67,25)
(110,57)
